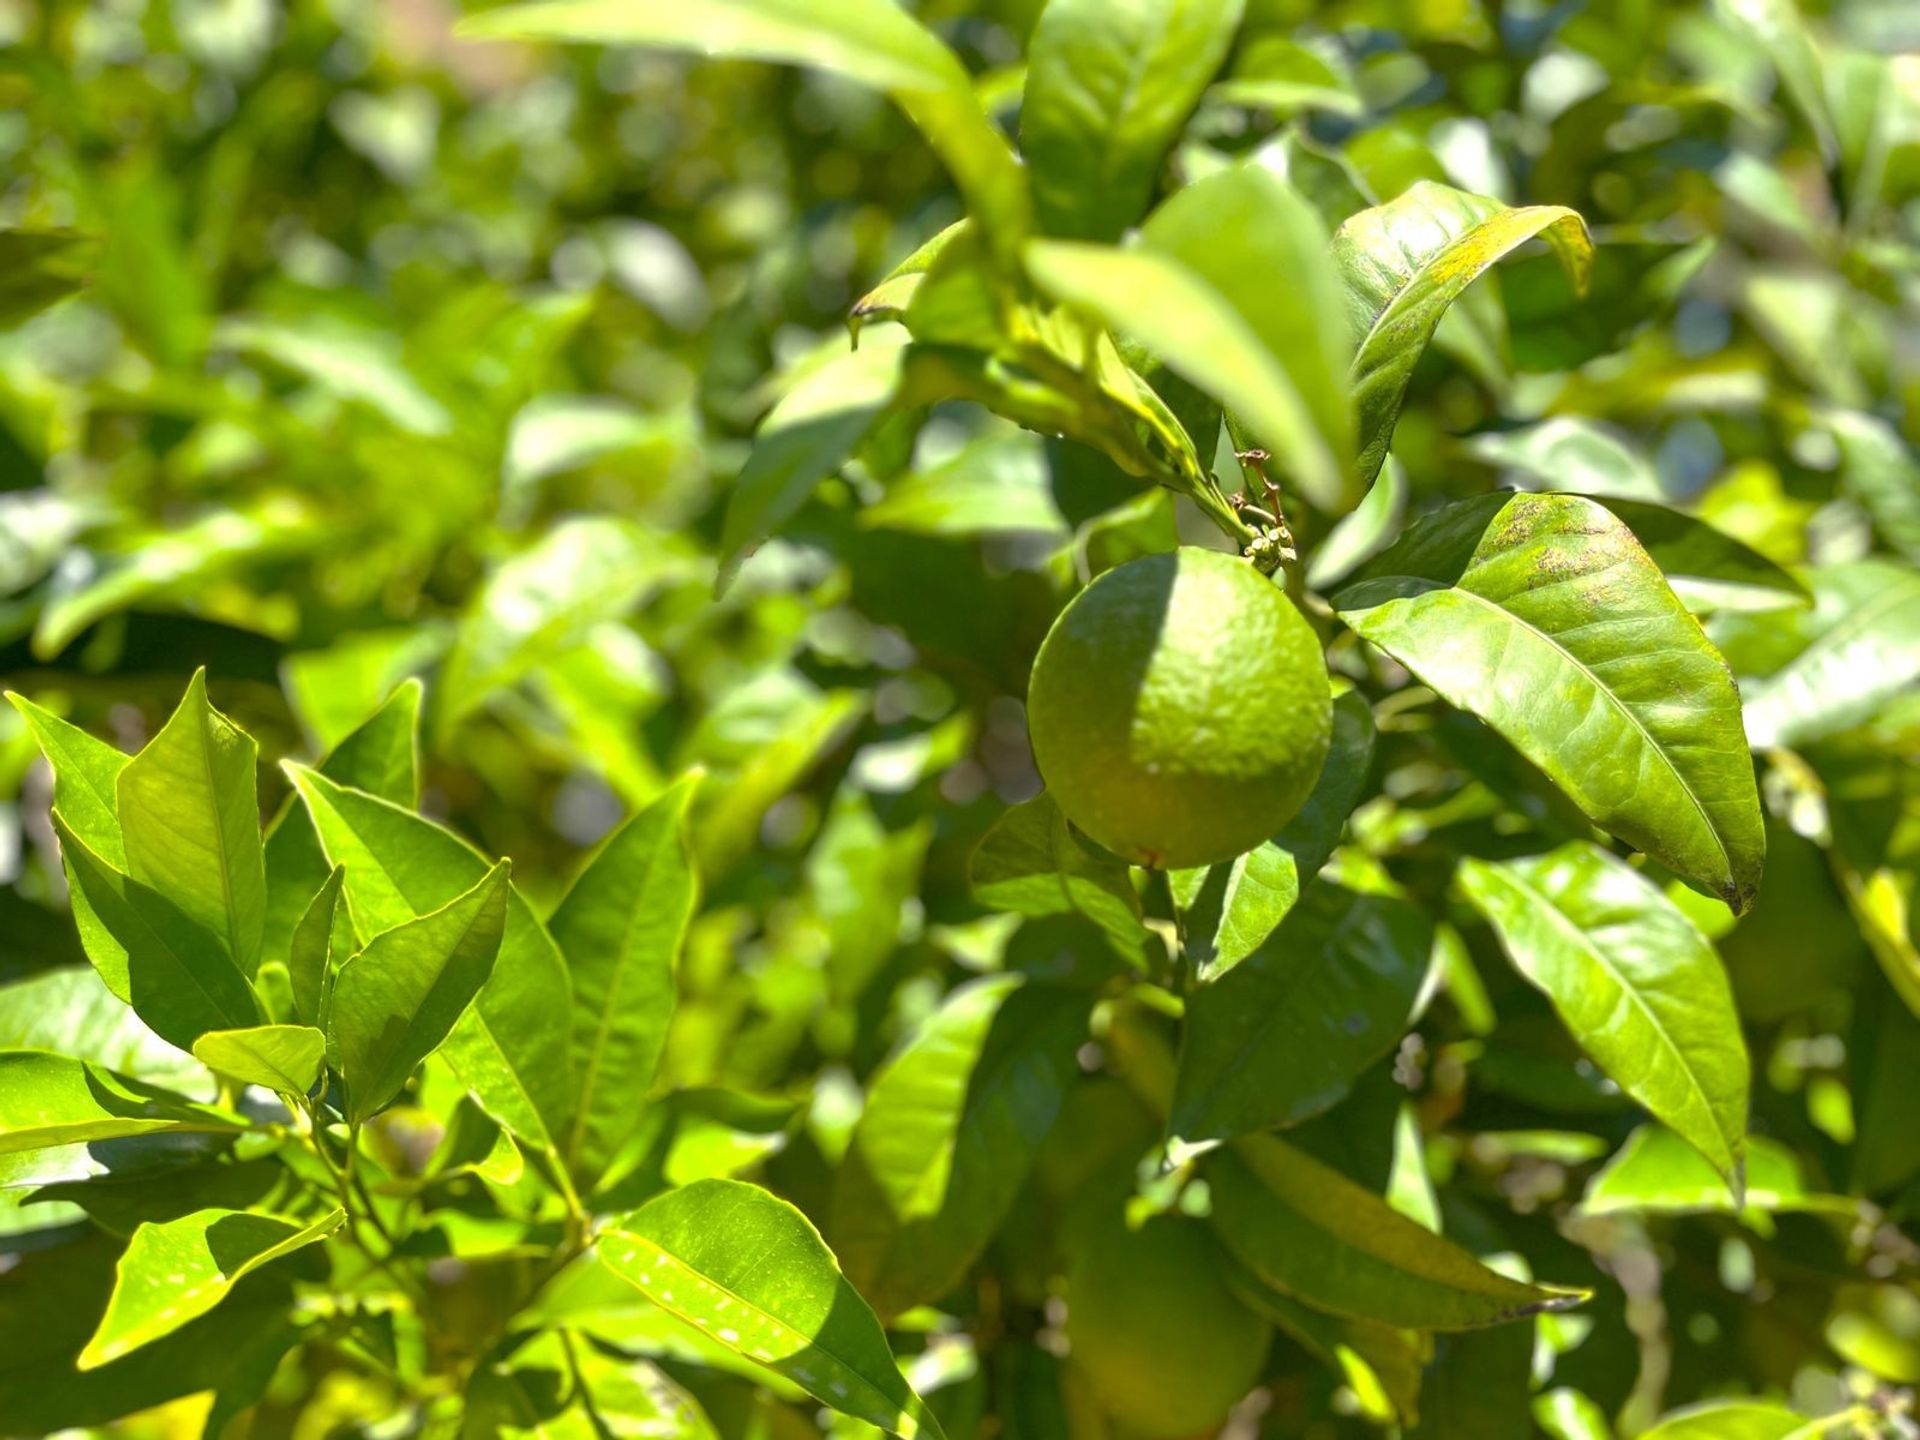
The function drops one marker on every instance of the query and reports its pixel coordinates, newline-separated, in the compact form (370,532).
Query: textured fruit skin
(1164,1345)
(1179,709)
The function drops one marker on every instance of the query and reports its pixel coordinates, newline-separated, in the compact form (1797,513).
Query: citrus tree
(1213,731)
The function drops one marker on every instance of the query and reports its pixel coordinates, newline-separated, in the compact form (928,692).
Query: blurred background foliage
(400,355)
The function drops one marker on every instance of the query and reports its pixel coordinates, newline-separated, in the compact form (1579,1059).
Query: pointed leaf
(311,956)
(1032,863)
(1282,1038)
(749,1271)
(190,815)
(286,1058)
(48,1100)
(1656,1172)
(86,774)
(1202,338)
(1637,985)
(1310,1232)
(620,929)
(510,1048)
(1228,911)
(1110,84)
(1707,567)
(1542,615)
(1406,262)
(397,1000)
(175,1272)
(178,977)
(952,1125)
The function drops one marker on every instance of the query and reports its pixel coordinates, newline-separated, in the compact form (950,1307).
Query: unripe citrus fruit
(1179,709)
(1165,1346)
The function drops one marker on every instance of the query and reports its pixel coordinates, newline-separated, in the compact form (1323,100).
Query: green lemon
(1179,709)
(1166,1348)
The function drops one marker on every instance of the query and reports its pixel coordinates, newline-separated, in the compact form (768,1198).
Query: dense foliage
(529,906)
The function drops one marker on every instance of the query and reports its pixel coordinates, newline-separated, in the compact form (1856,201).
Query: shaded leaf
(1032,863)
(396,1001)
(1865,649)
(48,1100)
(1281,1038)
(1310,1232)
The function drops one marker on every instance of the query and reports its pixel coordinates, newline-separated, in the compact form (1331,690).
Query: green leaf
(48,1100)
(870,41)
(560,1386)
(1374,524)
(1542,615)
(176,976)
(1236,230)
(511,1047)
(190,815)
(1380,1364)
(1881,471)
(803,439)
(952,1126)
(1110,84)
(397,1000)
(173,1273)
(1310,1232)
(1865,650)
(70,1011)
(1031,862)
(86,775)
(1406,262)
(620,929)
(1282,1037)
(286,1058)
(1707,568)
(1733,1420)
(1201,337)
(324,933)
(40,266)
(1228,911)
(749,1271)
(1657,1172)
(1636,984)
(541,603)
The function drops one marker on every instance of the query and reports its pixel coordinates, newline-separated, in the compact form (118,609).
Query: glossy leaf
(86,775)
(1865,650)
(48,1100)
(1110,84)
(871,41)
(190,817)
(620,929)
(1656,1172)
(287,1058)
(1228,911)
(1732,1420)
(1310,1232)
(173,1273)
(1406,262)
(1200,335)
(748,1270)
(1637,985)
(1706,567)
(321,941)
(70,1011)
(1542,615)
(1282,1037)
(396,1001)
(1031,862)
(511,1047)
(952,1125)
(816,426)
